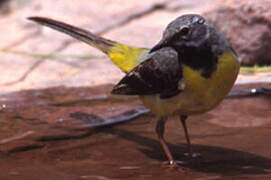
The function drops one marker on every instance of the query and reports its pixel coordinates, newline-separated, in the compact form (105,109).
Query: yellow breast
(200,94)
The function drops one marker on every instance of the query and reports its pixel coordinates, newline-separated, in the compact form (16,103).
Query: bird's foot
(174,165)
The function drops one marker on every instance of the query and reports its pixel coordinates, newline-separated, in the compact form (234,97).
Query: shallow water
(70,133)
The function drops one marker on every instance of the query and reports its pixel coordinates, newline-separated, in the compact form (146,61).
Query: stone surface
(132,22)
(247,24)
(53,134)
(18,34)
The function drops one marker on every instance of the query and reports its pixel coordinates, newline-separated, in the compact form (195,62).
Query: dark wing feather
(159,74)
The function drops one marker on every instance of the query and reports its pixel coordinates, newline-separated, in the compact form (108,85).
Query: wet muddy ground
(67,133)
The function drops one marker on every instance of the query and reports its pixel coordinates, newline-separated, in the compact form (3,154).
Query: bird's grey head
(189,30)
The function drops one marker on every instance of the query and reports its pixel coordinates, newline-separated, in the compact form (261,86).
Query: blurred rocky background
(247,24)
(33,56)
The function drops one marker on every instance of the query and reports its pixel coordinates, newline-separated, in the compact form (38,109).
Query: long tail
(125,57)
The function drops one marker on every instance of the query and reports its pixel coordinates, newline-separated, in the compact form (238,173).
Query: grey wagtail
(188,72)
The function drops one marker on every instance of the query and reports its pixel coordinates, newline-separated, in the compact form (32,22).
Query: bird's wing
(160,74)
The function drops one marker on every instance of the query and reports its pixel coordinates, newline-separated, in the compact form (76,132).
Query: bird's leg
(183,120)
(160,129)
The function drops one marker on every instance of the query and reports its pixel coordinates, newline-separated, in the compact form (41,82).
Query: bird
(188,72)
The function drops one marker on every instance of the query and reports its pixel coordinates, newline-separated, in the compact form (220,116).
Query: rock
(8,6)
(247,24)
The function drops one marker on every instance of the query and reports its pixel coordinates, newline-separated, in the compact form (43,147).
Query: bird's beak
(159,45)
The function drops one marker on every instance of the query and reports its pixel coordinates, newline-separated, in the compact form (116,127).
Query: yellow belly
(200,94)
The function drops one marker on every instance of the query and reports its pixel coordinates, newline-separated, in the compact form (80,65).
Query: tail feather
(123,56)
(78,33)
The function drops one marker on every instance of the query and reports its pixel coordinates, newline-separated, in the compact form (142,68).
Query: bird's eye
(184,30)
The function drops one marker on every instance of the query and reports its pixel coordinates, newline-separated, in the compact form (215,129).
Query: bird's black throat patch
(202,59)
